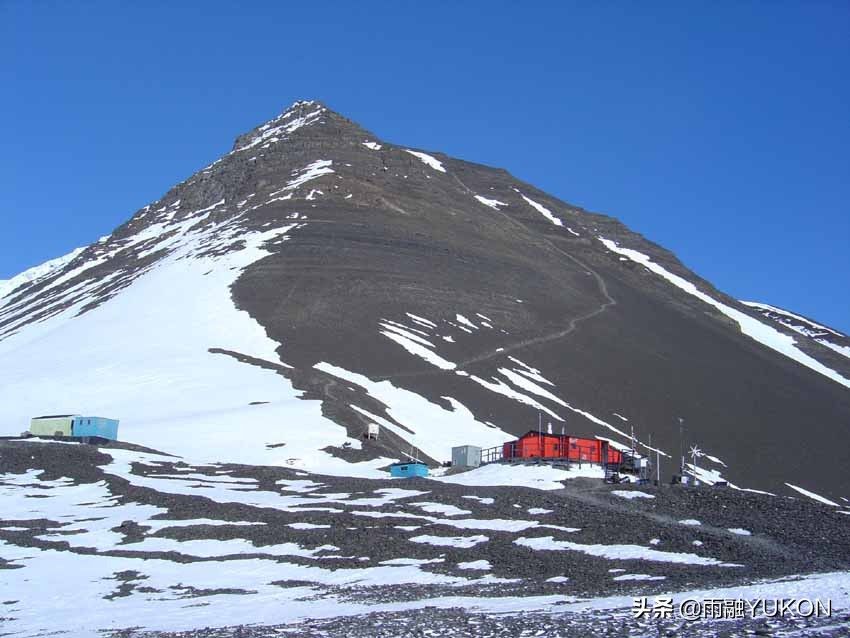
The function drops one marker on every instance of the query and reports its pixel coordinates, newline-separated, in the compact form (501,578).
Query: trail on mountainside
(572,324)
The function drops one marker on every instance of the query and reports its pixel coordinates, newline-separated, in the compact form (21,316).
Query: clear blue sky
(720,130)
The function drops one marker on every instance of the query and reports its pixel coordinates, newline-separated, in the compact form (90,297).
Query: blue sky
(719,130)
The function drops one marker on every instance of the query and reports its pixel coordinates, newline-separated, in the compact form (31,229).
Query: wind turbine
(695,454)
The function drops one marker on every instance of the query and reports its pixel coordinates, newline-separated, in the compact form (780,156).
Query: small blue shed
(408,469)
(95,426)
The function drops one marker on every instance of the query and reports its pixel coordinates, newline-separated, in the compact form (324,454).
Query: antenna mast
(682,444)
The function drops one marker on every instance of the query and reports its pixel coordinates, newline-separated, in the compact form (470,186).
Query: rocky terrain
(459,622)
(251,325)
(153,542)
(377,283)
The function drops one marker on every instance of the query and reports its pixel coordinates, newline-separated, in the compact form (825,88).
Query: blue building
(408,469)
(95,426)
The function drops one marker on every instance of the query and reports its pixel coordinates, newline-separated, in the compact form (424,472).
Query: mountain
(36,272)
(817,333)
(250,325)
(317,279)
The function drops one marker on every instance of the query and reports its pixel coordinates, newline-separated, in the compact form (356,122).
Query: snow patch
(441,508)
(430,427)
(481,499)
(36,272)
(288,122)
(492,203)
(625,577)
(813,496)
(416,346)
(753,328)
(548,214)
(541,477)
(310,172)
(421,320)
(631,494)
(433,162)
(773,309)
(619,552)
(462,542)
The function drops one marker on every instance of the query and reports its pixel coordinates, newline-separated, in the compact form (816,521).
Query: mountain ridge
(353,235)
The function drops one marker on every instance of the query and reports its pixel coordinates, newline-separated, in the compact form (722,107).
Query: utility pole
(658,465)
(540,432)
(682,444)
(649,456)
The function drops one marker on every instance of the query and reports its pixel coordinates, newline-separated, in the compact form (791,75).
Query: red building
(561,446)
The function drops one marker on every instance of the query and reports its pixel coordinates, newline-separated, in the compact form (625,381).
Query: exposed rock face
(378,266)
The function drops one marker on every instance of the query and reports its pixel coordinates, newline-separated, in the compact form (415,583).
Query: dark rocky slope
(386,234)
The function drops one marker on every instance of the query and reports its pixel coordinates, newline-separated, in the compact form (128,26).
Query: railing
(492,454)
(572,454)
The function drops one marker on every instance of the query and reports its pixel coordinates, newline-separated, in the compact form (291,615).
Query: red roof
(555,436)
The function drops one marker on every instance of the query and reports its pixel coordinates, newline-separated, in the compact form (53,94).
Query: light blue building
(408,469)
(95,426)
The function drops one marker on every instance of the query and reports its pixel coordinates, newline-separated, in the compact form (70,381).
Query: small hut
(466,456)
(408,469)
(53,425)
(74,425)
(96,426)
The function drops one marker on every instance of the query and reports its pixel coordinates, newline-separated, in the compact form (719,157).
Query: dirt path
(572,323)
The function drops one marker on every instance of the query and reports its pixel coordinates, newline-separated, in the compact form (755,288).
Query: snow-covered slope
(157,345)
(144,355)
(832,339)
(35,273)
(257,319)
(316,280)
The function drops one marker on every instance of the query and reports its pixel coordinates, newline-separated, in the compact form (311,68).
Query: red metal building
(561,446)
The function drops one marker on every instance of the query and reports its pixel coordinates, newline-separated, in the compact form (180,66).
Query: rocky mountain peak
(301,113)
(317,279)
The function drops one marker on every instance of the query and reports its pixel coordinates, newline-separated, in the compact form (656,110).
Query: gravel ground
(435,623)
(787,536)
